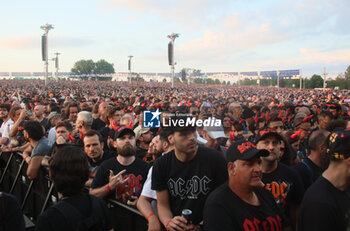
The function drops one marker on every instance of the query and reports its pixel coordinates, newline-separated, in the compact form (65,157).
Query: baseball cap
(215,131)
(244,150)
(139,130)
(338,144)
(52,114)
(264,132)
(122,131)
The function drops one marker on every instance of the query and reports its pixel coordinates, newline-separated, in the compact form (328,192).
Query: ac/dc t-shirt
(189,183)
(136,172)
(224,210)
(285,186)
(324,207)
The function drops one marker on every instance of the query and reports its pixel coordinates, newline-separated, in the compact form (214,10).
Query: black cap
(122,131)
(338,144)
(244,150)
(264,132)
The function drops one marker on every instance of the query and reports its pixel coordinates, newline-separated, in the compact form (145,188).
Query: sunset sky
(215,36)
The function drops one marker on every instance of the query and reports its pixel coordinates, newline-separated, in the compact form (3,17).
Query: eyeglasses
(195,112)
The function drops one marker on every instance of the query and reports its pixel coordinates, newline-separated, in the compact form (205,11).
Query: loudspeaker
(56,62)
(170,53)
(43,47)
(129,64)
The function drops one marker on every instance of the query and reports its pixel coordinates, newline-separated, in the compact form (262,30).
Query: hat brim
(123,132)
(254,153)
(278,136)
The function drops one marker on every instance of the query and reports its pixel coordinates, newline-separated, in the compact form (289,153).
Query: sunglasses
(195,112)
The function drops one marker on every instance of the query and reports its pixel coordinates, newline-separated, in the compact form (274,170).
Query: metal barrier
(38,194)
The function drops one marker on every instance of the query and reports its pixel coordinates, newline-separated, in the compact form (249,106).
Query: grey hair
(86,117)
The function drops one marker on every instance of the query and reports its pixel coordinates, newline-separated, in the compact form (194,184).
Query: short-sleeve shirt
(42,148)
(189,183)
(224,210)
(136,172)
(324,207)
(5,128)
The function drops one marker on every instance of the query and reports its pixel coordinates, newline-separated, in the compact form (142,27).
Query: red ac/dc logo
(268,130)
(245,146)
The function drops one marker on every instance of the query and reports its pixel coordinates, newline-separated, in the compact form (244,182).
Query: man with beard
(241,203)
(282,181)
(34,134)
(6,123)
(313,165)
(184,177)
(93,147)
(121,178)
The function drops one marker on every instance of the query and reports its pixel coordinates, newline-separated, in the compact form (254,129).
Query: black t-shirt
(285,185)
(224,210)
(137,173)
(189,183)
(11,216)
(309,173)
(95,165)
(141,153)
(324,207)
(97,124)
(53,219)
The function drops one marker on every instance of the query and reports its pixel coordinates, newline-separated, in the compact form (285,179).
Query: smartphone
(29,112)
(207,105)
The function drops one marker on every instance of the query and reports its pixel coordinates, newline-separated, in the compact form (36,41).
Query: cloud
(188,13)
(237,34)
(34,42)
(310,57)
(25,42)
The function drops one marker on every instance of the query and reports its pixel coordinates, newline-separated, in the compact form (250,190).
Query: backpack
(94,222)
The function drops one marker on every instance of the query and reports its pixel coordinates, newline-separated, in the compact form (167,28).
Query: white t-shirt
(52,135)
(146,190)
(5,128)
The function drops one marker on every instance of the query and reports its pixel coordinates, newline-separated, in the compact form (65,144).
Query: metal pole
(46,28)
(56,64)
(173,36)
(278,79)
(324,78)
(129,67)
(301,75)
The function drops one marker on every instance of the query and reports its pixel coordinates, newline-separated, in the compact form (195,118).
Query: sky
(214,36)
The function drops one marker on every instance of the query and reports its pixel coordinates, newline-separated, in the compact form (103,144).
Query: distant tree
(83,66)
(164,80)
(316,81)
(102,66)
(217,81)
(347,74)
(210,81)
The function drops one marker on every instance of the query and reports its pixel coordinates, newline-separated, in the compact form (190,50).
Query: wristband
(149,215)
(11,150)
(108,188)
(25,158)
(166,225)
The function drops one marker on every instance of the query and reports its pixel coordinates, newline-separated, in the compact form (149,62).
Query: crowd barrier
(37,195)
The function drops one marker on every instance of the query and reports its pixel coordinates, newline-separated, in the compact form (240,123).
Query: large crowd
(279,159)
